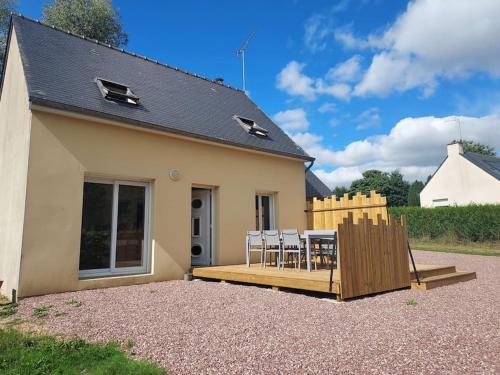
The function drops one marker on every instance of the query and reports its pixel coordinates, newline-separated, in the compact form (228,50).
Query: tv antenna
(241,52)
(457,120)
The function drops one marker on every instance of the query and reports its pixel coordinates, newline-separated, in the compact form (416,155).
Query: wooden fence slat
(372,257)
(329,212)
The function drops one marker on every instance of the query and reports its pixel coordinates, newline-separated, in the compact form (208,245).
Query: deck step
(442,280)
(432,271)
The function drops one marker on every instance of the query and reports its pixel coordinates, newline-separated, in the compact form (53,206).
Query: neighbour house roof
(61,71)
(315,187)
(489,164)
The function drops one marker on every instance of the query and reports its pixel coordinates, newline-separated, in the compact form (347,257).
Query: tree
(397,193)
(372,180)
(94,19)
(414,193)
(6,8)
(471,146)
(392,185)
(339,191)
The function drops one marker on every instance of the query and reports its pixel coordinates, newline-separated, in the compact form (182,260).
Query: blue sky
(359,84)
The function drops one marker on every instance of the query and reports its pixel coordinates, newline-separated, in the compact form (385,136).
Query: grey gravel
(211,328)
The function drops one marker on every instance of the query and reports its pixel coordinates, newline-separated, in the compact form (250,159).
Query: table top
(320,232)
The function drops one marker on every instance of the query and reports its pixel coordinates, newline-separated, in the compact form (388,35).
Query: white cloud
(346,71)
(327,107)
(292,119)
(318,29)
(407,147)
(368,119)
(316,33)
(293,82)
(340,91)
(431,41)
(307,140)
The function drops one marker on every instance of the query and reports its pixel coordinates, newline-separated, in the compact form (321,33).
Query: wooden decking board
(443,280)
(431,276)
(428,270)
(317,281)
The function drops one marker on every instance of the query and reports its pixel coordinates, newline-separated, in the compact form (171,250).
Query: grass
(488,249)
(42,311)
(8,310)
(411,302)
(73,302)
(37,355)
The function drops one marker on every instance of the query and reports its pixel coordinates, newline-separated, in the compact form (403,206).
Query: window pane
(130,226)
(266,212)
(95,242)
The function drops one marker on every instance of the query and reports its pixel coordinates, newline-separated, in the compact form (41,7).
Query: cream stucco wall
(14,147)
(64,150)
(461,182)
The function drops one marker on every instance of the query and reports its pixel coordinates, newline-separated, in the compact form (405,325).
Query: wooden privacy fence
(372,257)
(328,213)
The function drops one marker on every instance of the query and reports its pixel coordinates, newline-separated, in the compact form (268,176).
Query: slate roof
(489,164)
(315,187)
(61,69)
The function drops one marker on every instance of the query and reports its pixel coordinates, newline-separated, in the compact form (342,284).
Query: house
(315,188)
(463,178)
(116,169)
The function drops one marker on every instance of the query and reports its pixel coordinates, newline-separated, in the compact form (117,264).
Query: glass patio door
(114,236)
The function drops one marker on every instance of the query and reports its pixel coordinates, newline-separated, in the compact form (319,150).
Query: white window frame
(271,209)
(146,249)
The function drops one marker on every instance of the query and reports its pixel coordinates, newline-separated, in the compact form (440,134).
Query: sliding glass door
(114,237)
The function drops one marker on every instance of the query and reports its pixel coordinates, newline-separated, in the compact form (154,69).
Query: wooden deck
(317,281)
(291,278)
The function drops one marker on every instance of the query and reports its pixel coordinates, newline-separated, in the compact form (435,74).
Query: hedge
(477,223)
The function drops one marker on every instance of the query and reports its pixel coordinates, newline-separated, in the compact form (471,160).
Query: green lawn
(36,355)
(490,249)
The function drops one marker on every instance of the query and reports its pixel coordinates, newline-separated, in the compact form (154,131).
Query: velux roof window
(116,91)
(251,126)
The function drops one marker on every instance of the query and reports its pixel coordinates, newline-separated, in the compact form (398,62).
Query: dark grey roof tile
(61,70)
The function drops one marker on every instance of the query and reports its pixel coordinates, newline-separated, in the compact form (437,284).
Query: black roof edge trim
(146,125)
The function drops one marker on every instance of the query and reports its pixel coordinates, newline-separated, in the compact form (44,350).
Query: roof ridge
(121,50)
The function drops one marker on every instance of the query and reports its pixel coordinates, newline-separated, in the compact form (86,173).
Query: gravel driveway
(212,328)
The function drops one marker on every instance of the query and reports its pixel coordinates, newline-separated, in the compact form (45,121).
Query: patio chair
(292,245)
(255,244)
(327,251)
(272,244)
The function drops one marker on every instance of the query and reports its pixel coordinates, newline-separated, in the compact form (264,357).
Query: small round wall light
(174,174)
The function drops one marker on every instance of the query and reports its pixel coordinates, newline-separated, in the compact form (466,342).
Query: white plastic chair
(254,244)
(272,244)
(291,245)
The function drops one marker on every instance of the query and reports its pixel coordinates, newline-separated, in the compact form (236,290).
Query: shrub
(476,223)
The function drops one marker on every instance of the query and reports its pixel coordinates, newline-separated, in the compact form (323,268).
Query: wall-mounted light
(174,174)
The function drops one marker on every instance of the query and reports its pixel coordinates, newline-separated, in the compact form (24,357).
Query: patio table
(316,234)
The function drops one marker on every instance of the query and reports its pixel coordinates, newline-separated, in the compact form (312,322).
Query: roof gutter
(43,103)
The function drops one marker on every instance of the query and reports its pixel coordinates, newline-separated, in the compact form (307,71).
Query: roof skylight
(251,126)
(116,91)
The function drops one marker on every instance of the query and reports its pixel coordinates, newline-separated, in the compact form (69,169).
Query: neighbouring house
(116,169)
(463,178)
(315,188)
